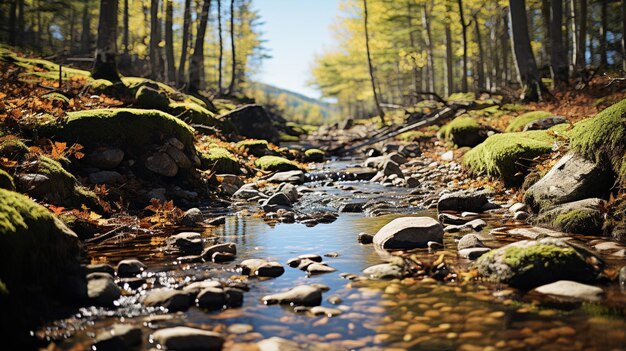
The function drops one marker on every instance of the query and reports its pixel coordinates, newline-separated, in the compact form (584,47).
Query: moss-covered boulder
(508,155)
(275,163)
(48,181)
(581,217)
(603,138)
(314,155)
(13,149)
(148,97)
(220,161)
(6,181)
(194,114)
(254,147)
(463,131)
(518,123)
(38,258)
(527,264)
(56,97)
(252,121)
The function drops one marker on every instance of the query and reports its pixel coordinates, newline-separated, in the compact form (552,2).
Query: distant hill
(294,107)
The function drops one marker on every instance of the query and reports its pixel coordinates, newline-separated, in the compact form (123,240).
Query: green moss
(254,147)
(51,68)
(518,123)
(6,181)
(414,135)
(134,129)
(275,163)
(220,160)
(56,97)
(13,149)
(3,289)
(62,188)
(136,82)
(461,97)
(147,97)
(582,221)
(195,100)
(308,128)
(603,138)
(463,131)
(195,113)
(288,138)
(537,254)
(100,85)
(314,155)
(507,155)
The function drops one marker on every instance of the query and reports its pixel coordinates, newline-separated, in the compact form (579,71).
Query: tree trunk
(169,42)
(233,52)
(85,36)
(20,22)
(180,78)
(504,49)
(558,57)
(480,65)
(105,66)
(429,49)
(72,28)
(221,47)
(125,40)
(369,64)
(495,60)
(545,17)
(525,60)
(449,60)
(624,35)
(197,58)
(415,77)
(603,33)
(156,69)
(464,43)
(574,30)
(582,36)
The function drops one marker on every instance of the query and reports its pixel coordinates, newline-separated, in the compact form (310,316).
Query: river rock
(261,268)
(173,300)
(229,183)
(530,263)
(188,339)
(278,344)
(473,253)
(303,295)
(389,168)
(518,206)
(469,241)
(319,268)
(196,287)
(181,159)
(571,179)
(325,311)
(252,121)
(102,290)
(118,337)
(571,289)
(247,191)
(192,217)
(582,217)
(207,253)
(275,202)
(365,238)
(211,299)
(290,190)
(100,268)
(186,242)
(293,177)
(464,200)
(384,271)
(130,268)
(105,158)
(447,218)
(162,164)
(409,233)
(105,177)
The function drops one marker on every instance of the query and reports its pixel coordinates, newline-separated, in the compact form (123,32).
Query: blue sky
(295,31)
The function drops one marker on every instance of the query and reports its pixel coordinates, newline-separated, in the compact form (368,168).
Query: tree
(196,64)
(480,63)
(221,47)
(169,42)
(464,43)
(524,58)
(449,57)
(156,69)
(603,32)
(582,35)
(428,39)
(105,66)
(85,36)
(180,77)
(558,58)
(624,35)
(369,64)
(233,51)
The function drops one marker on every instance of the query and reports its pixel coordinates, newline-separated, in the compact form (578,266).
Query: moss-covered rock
(517,124)
(148,97)
(130,129)
(135,83)
(13,149)
(275,163)
(463,131)
(220,161)
(314,155)
(6,181)
(603,138)
(508,155)
(528,264)
(254,147)
(252,121)
(56,97)
(100,85)
(194,113)
(581,217)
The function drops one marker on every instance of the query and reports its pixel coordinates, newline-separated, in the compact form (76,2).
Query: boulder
(275,164)
(192,217)
(409,233)
(252,121)
(257,148)
(161,164)
(582,217)
(545,123)
(293,177)
(150,98)
(130,268)
(207,253)
(303,295)
(261,268)
(220,160)
(464,200)
(571,179)
(211,299)
(314,155)
(463,131)
(188,339)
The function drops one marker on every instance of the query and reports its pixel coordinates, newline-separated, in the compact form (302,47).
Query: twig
(110,234)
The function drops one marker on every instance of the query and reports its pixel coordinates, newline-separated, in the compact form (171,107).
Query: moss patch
(219,160)
(582,221)
(6,181)
(13,149)
(288,138)
(194,113)
(254,147)
(147,97)
(275,163)
(314,155)
(463,131)
(508,155)
(56,97)
(518,123)
(603,138)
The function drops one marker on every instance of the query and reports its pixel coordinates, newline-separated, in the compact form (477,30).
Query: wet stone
(216,221)
(473,253)
(221,257)
(469,241)
(571,289)
(102,290)
(319,268)
(261,268)
(188,339)
(211,299)
(132,283)
(384,271)
(130,268)
(192,217)
(278,344)
(463,200)
(118,337)
(196,287)
(409,233)
(325,311)
(172,300)
(303,295)
(186,242)
(100,268)
(207,253)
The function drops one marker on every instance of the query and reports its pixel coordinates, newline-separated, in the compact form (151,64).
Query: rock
(409,233)
(100,268)
(571,289)
(365,238)
(314,155)
(397,158)
(469,241)
(518,206)
(118,337)
(102,290)
(208,252)
(216,221)
(219,160)
(473,253)
(130,268)
(571,179)
(188,339)
(189,243)
(192,217)
(463,201)
(463,131)
(181,159)
(172,300)
(325,311)
(293,177)
(527,264)
(476,224)
(211,299)
(446,218)
(384,271)
(219,257)
(105,158)
(278,344)
(334,299)
(521,215)
(234,297)
(261,268)
(195,288)
(536,233)
(544,123)
(319,268)
(412,182)
(229,183)
(582,217)
(247,191)
(389,167)
(252,121)
(352,207)
(162,164)
(447,156)
(158,194)
(518,123)
(290,190)
(151,98)
(303,295)
(105,177)
(275,164)
(275,202)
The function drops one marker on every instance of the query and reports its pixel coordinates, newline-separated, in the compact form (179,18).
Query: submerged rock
(571,289)
(303,295)
(409,233)
(102,290)
(130,268)
(188,339)
(118,337)
(384,271)
(262,268)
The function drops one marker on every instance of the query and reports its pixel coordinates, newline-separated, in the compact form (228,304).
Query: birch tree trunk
(429,49)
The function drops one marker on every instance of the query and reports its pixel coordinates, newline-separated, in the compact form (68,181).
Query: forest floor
(490,231)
